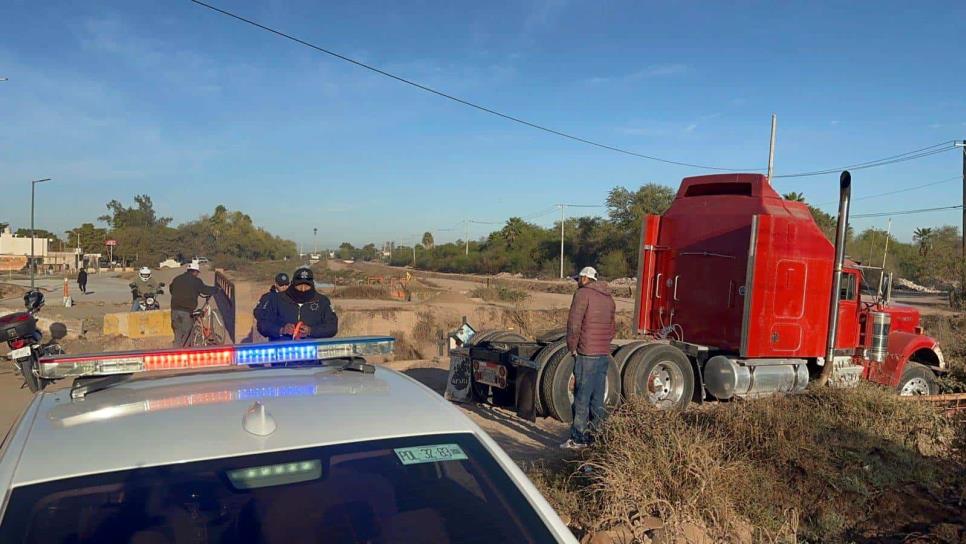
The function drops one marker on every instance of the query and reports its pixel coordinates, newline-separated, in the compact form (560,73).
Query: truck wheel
(557,386)
(662,374)
(917,379)
(624,354)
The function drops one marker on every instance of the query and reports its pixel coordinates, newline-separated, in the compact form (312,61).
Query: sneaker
(571,444)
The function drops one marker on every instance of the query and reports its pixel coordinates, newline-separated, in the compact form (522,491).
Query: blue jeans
(590,381)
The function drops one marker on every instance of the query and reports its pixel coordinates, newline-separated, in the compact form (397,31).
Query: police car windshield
(437,488)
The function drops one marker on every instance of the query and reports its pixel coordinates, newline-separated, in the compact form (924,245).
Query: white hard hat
(193,265)
(588,271)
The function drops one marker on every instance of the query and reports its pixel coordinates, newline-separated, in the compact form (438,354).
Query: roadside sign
(110,242)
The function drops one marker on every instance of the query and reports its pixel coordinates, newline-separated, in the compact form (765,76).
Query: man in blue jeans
(590,329)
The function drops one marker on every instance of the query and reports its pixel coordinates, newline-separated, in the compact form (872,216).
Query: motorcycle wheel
(32,381)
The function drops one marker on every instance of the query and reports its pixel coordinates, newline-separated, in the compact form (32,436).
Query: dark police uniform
(290,307)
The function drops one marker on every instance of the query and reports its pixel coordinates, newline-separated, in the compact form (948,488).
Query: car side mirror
(161,284)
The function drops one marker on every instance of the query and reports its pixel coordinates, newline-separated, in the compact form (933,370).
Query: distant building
(11,245)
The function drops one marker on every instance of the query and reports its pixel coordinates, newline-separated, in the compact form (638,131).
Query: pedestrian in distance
(591,326)
(82,280)
(185,290)
(299,312)
(266,304)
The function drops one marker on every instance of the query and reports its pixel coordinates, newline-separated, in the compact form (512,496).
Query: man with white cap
(590,329)
(185,290)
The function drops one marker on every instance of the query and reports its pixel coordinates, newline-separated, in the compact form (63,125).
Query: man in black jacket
(185,290)
(299,312)
(266,304)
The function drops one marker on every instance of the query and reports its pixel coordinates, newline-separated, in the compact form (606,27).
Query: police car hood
(163,420)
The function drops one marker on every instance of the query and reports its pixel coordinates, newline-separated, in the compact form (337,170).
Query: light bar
(127,362)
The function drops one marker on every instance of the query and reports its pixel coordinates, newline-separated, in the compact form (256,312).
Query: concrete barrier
(139,324)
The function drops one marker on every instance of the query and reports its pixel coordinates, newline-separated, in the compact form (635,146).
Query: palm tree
(512,230)
(923,235)
(794,197)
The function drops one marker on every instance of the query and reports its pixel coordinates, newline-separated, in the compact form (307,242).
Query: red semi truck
(733,300)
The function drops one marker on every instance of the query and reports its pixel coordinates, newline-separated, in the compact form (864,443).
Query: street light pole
(562,208)
(315,239)
(33,186)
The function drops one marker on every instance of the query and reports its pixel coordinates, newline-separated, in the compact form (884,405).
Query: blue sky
(112,99)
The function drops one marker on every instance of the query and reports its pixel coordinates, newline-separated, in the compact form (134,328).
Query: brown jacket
(591,325)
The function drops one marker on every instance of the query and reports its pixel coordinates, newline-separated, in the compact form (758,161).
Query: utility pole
(771,147)
(33,186)
(962,256)
(315,239)
(414,251)
(562,219)
(466,234)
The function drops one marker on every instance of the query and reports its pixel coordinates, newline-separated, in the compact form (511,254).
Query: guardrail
(226,302)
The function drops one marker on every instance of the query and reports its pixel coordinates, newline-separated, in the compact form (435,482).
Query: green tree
(142,214)
(794,197)
(428,242)
(41,233)
(90,238)
(923,236)
(347,251)
(512,231)
(626,208)
(613,265)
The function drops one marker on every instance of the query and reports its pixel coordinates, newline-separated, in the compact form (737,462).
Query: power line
(462,101)
(893,159)
(906,212)
(897,191)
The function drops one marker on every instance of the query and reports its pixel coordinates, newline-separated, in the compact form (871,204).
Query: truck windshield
(436,488)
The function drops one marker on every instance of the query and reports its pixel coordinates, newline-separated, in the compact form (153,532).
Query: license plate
(20,353)
(490,374)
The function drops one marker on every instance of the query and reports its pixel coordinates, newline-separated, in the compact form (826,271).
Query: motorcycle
(20,332)
(147,300)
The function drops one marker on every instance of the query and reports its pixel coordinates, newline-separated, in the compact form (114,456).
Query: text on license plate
(19,353)
(489,373)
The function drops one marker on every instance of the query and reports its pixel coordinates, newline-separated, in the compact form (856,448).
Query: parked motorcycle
(20,332)
(147,300)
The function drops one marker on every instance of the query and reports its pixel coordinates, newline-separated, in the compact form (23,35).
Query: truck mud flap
(526,393)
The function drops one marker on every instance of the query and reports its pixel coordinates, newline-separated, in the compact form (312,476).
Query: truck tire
(624,354)
(543,358)
(917,379)
(662,374)
(557,386)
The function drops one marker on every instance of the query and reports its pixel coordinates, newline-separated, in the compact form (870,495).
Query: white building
(20,245)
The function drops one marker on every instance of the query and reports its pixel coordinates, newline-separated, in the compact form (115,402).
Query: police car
(279,443)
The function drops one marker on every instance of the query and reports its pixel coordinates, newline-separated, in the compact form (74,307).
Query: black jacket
(185,290)
(82,276)
(275,310)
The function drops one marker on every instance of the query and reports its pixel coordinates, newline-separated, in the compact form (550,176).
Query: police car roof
(159,420)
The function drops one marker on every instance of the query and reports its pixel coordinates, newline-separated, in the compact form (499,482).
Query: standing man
(185,290)
(82,279)
(266,304)
(590,330)
(299,312)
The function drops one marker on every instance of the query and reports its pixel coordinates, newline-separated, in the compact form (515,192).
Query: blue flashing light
(252,393)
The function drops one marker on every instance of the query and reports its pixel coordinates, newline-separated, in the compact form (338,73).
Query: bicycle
(203,329)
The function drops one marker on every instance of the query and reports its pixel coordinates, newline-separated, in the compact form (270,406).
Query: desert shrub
(788,468)
(368,292)
(499,293)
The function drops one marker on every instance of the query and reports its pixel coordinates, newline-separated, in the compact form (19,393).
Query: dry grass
(811,466)
(499,293)
(366,292)
(950,332)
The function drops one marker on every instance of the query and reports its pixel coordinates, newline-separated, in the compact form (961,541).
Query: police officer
(266,304)
(299,312)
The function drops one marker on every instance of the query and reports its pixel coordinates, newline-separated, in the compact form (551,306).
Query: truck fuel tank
(726,377)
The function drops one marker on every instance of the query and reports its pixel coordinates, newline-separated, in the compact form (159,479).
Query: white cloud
(653,71)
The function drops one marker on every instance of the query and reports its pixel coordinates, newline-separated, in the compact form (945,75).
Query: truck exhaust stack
(845,197)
